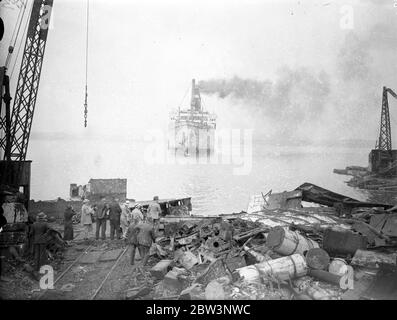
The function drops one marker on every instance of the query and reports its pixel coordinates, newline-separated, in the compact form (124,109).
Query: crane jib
(29,78)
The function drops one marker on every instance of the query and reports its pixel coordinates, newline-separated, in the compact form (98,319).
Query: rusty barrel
(287,242)
(317,258)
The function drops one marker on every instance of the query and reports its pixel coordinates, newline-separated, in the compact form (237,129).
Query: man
(86,219)
(114,218)
(101,219)
(68,224)
(136,214)
(38,231)
(125,218)
(140,235)
(154,211)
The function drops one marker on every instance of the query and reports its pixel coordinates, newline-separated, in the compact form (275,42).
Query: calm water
(214,188)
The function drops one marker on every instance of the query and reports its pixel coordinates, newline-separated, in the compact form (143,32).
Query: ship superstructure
(192,129)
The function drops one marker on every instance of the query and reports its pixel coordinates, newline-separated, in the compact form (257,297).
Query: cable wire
(20,42)
(15,33)
(184,96)
(86,67)
(20,21)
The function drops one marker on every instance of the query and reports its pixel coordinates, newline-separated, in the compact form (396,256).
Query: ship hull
(191,138)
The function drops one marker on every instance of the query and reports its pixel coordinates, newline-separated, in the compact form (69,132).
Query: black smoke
(296,94)
(344,99)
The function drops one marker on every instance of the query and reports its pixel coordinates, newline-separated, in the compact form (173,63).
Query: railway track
(101,270)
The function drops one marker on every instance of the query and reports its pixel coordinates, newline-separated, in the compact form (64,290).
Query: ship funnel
(195,103)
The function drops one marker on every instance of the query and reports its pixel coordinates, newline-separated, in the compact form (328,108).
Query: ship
(192,129)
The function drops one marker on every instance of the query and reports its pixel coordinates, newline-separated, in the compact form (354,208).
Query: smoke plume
(337,103)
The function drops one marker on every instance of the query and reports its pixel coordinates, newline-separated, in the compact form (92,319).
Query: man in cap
(141,235)
(38,232)
(86,219)
(154,211)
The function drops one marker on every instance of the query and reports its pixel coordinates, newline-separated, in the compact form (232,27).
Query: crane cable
(15,32)
(86,67)
(20,42)
(184,96)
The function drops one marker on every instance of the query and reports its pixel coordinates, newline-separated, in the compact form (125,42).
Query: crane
(15,126)
(383,159)
(384,142)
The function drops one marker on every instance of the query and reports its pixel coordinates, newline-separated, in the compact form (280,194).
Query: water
(214,188)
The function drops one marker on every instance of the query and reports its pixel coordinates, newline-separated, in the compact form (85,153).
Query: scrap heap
(340,249)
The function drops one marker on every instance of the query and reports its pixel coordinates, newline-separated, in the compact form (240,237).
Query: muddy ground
(84,278)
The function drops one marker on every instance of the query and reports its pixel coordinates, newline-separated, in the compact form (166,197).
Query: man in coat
(86,219)
(68,224)
(38,231)
(154,212)
(125,218)
(101,218)
(136,214)
(140,235)
(114,218)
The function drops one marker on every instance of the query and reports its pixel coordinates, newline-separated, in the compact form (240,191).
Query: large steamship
(192,129)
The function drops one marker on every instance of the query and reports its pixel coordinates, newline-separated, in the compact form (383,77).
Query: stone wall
(54,208)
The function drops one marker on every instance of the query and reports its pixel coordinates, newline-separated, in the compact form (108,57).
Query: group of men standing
(126,222)
(101,213)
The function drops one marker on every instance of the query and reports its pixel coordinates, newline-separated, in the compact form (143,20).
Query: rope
(86,67)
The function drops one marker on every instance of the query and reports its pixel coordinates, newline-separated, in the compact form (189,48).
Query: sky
(143,55)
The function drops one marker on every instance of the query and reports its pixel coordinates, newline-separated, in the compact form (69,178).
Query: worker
(102,215)
(132,239)
(114,218)
(86,218)
(136,214)
(39,230)
(141,235)
(68,224)
(125,218)
(154,212)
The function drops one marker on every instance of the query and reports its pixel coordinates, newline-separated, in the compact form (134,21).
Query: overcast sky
(143,55)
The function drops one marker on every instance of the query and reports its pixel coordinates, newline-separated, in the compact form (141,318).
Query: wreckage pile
(286,252)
